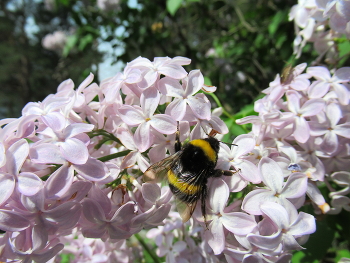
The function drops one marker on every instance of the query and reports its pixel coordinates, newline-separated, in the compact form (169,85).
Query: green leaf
(237,130)
(344,253)
(344,51)
(317,245)
(247,110)
(66,258)
(276,20)
(173,5)
(207,81)
(71,42)
(85,41)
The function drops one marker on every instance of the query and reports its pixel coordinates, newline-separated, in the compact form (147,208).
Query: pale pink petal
(140,219)
(93,212)
(246,144)
(151,76)
(301,130)
(2,155)
(238,223)
(74,150)
(163,123)
(181,60)
(134,76)
(342,93)
(266,242)
(179,246)
(318,89)
(300,83)
(176,109)
(99,196)
(342,74)
(295,186)
(330,142)
(235,183)
(249,119)
(217,124)
(131,115)
(29,183)
(304,225)
(218,195)
(317,129)
(319,72)
(46,153)
(65,216)
(140,62)
(333,113)
(59,182)
(66,85)
(160,214)
(216,237)
(252,201)
(171,87)
(12,221)
(293,100)
(343,130)
(7,185)
(271,174)
(126,138)
(149,101)
(124,214)
(312,107)
(143,137)
(150,192)
(289,243)
(199,107)
(315,194)
(77,128)
(16,155)
(172,70)
(32,108)
(97,258)
(93,170)
(39,237)
(195,82)
(276,213)
(117,233)
(129,160)
(248,171)
(85,82)
(94,232)
(55,120)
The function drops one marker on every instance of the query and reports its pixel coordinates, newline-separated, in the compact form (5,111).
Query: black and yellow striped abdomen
(188,177)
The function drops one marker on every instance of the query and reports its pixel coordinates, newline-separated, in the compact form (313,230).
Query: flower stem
(146,248)
(217,101)
(114,155)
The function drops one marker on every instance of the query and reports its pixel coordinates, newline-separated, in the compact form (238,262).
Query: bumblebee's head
(214,143)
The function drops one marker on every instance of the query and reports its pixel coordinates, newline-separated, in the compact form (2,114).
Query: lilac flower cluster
(71,166)
(321,22)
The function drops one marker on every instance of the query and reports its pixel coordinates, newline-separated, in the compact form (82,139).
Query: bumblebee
(187,172)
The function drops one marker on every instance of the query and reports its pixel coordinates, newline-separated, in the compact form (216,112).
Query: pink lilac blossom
(71,166)
(321,22)
(55,41)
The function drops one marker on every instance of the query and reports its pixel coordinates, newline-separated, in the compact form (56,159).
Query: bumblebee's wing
(157,171)
(185,209)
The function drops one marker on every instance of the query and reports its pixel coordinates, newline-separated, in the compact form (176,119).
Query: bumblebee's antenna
(177,145)
(229,143)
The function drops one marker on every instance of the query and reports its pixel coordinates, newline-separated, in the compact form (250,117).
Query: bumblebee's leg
(203,205)
(219,172)
(177,145)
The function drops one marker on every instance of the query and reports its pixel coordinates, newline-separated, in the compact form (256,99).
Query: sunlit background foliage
(239,45)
